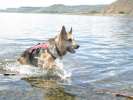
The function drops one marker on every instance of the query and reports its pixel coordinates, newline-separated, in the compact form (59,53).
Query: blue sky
(18,3)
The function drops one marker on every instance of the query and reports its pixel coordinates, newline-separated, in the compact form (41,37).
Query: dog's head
(66,41)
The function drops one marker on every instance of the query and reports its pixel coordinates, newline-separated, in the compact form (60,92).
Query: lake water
(103,61)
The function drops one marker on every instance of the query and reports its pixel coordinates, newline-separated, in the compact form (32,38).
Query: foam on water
(28,70)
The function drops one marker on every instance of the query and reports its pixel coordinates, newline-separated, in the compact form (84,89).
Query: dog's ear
(63,33)
(71,30)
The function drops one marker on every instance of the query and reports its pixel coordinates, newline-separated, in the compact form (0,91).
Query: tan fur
(61,45)
(23,60)
(45,58)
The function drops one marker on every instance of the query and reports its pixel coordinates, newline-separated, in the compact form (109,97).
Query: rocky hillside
(120,7)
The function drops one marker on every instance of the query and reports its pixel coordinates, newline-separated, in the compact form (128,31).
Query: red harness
(43,46)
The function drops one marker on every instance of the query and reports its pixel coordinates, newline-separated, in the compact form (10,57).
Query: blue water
(103,61)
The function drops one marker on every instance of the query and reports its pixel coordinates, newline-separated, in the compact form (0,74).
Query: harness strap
(57,50)
(44,46)
(51,54)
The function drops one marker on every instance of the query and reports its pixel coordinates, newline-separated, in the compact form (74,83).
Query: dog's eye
(70,40)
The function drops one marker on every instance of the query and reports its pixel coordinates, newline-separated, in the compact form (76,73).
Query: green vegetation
(58,8)
(121,12)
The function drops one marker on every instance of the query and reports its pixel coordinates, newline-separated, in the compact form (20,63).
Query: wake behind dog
(59,72)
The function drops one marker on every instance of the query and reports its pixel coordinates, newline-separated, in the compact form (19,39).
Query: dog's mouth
(71,50)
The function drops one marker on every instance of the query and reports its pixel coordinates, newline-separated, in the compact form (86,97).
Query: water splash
(32,71)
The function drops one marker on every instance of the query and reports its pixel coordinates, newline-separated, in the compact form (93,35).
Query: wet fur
(57,48)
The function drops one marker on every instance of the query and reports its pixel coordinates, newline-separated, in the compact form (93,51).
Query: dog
(44,54)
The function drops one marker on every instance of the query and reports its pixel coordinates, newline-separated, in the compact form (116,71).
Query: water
(104,60)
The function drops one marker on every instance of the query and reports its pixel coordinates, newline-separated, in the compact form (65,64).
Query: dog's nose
(77,46)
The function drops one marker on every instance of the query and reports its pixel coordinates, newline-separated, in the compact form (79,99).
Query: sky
(36,3)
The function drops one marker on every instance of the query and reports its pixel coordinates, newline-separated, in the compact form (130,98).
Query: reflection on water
(104,60)
(51,89)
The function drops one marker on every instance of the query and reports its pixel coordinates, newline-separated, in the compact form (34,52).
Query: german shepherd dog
(44,54)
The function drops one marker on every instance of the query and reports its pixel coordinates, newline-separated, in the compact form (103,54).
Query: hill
(120,7)
(58,8)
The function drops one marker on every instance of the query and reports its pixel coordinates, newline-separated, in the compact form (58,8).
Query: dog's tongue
(71,50)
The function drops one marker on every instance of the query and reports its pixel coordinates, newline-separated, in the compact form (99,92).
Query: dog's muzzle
(72,50)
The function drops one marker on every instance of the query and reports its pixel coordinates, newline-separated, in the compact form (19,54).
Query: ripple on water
(103,59)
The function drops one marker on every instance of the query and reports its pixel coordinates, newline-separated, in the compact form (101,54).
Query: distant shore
(84,14)
(90,10)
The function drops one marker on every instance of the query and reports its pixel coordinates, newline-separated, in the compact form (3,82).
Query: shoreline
(84,14)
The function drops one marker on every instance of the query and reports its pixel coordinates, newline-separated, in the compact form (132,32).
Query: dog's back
(44,55)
